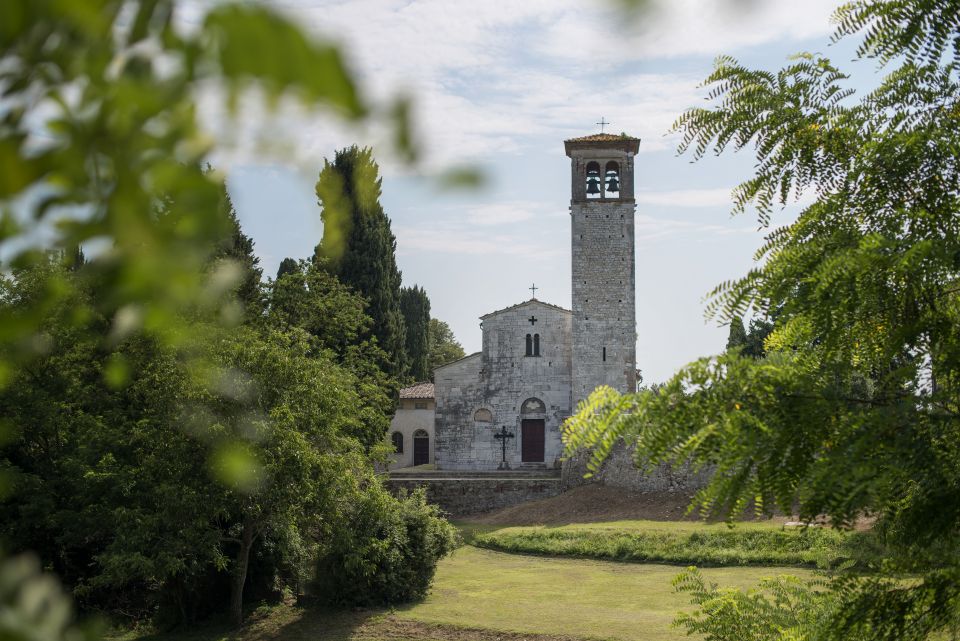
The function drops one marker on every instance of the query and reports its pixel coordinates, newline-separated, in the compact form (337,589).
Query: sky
(498,86)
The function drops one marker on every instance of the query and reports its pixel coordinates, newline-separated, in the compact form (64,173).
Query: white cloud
(650,228)
(497,76)
(674,28)
(686,197)
(458,240)
(507,213)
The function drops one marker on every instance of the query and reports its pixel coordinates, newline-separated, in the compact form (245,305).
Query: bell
(613,184)
(593,185)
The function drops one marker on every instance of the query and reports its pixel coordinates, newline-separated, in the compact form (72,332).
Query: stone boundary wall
(619,471)
(462,496)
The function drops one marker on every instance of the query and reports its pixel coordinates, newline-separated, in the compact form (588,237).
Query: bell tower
(602,208)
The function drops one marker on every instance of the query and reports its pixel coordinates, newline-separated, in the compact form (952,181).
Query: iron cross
(533,288)
(603,123)
(502,436)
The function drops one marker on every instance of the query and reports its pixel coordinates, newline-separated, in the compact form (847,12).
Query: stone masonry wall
(469,496)
(620,471)
(603,282)
(500,379)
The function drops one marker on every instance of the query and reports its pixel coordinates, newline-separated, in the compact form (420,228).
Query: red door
(531,443)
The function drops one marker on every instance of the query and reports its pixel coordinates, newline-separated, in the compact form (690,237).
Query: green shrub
(384,551)
(813,546)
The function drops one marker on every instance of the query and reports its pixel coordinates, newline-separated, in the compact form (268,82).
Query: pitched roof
(459,360)
(602,138)
(526,302)
(418,390)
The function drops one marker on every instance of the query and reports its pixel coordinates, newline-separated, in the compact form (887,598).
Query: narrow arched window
(536,344)
(611,180)
(397,439)
(594,187)
(529,345)
(604,354)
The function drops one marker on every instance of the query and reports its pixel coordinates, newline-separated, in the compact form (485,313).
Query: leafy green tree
(291,414)
(444,347)
(113,484)
(415,307)
(358,246)
(335,318)
(738,335)
(316,301)
(91,366)
(856,408)
(107,488)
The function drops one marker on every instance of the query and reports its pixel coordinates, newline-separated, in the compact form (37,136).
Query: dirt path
(391,628)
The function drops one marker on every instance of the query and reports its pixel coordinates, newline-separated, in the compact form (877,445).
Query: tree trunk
(240,574)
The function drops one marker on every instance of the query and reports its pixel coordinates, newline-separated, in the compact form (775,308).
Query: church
(502,407)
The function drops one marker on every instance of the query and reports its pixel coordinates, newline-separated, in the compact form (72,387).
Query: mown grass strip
(708,547)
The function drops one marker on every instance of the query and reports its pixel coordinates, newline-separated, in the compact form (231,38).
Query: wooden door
(421,449)
(531,444)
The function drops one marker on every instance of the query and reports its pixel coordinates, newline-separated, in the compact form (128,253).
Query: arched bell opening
(611,180)
(594,188)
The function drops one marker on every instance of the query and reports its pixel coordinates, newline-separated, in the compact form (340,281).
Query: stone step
(491,475)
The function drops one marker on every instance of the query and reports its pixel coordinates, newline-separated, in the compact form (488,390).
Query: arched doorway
(421,447)
(532,431)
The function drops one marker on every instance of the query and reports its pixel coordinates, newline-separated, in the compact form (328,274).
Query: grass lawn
(485,595)
(685,543)
(575,597)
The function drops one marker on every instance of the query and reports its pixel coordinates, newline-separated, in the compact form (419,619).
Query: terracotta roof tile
(419,390)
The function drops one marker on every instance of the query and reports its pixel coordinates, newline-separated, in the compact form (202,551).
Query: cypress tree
(287,266)
(358,246)
(738,335)
(238,247)
(415,307)
(756,336)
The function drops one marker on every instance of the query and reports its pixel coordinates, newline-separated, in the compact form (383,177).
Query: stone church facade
(539,360)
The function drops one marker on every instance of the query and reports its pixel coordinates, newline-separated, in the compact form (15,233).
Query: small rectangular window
(604,354)
(420,405)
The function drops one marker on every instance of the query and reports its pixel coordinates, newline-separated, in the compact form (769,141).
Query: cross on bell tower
(533,290)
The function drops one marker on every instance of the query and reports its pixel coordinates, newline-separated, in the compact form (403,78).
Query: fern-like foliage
(856,409)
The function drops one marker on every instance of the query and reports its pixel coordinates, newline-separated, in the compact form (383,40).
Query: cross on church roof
(603,123)
(533,288)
